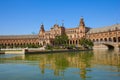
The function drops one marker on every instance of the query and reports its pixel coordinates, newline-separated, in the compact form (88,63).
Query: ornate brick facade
(105,34)
(74,34)
(110,33)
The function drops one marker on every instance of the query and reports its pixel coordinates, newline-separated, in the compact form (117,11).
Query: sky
(19,17)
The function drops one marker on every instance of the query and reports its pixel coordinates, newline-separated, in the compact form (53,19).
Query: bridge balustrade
(104,42)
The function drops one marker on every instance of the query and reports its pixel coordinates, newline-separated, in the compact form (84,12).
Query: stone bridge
(106,45)
(105,37)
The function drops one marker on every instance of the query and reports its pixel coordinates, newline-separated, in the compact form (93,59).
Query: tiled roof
(71,28)
(17,36)
(104,29)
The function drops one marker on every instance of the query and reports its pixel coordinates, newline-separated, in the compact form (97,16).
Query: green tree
(86,43)
(0,46)
(57,40)
(61,40)
(49,47)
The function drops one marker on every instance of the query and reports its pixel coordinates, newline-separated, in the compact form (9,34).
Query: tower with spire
(82,28)
(82,24)
(42,31)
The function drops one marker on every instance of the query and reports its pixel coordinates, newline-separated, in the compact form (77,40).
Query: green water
(93,65)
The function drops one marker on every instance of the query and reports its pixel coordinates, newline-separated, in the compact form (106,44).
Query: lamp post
(116,34)
(116,29)
(109,35)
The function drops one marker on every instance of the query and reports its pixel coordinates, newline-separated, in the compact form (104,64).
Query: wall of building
(105,34)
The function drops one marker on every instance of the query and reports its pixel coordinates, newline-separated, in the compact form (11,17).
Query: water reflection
(80,65)
(60,62)
(107,58)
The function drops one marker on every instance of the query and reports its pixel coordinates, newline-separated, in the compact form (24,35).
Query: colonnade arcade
(75,42)
(18,42)
(112,39)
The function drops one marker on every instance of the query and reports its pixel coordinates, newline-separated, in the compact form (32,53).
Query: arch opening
(110,39)
(105,39)
(110,47)
(114,39)
(101,39)
(76,42)
(118,39)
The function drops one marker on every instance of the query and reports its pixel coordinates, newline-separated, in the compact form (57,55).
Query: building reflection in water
(59,63)
(84,61)
(107,57)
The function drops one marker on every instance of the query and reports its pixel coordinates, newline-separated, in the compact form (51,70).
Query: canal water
(86,65)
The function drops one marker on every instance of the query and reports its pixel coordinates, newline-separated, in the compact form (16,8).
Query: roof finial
(81,17)
(56,21)
(42,27)
(41,23)
(62,23)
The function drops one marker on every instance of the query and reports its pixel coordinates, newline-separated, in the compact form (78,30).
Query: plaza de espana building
(108,33)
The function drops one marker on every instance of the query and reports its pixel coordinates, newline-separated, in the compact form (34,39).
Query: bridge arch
(110,47)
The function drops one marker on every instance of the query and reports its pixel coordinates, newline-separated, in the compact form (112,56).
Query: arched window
(110,39)
(44,43)
(97,40)
(114,39)
(70,42)
(101,39)
(73,42)
(93,40)
(76,42)
(105,39)
(118,39)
